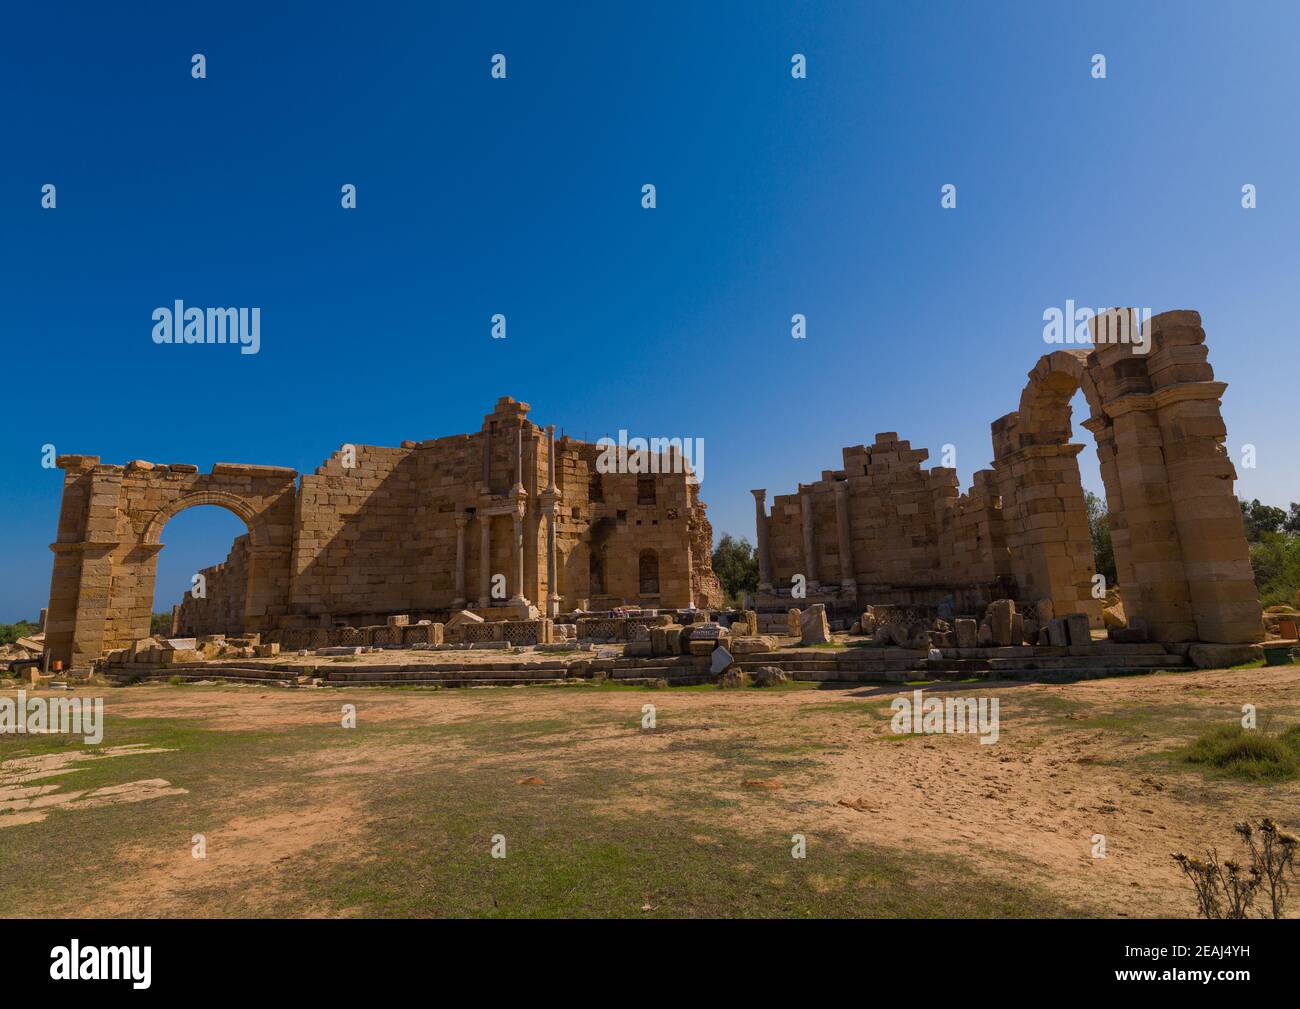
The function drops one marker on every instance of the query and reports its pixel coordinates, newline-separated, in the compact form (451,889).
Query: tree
(1103,551)
(1261,518)
(1293,520)
(736,565)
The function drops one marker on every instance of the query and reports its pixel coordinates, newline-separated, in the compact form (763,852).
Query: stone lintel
(248,469)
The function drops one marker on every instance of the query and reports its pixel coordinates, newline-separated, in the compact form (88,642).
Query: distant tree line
(1273,535)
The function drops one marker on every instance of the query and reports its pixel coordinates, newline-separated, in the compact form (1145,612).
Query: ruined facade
(883,530)
(507,521)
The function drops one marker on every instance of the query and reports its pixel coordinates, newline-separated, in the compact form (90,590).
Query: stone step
(1089,662)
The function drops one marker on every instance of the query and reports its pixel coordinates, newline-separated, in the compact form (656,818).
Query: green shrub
(1253,754)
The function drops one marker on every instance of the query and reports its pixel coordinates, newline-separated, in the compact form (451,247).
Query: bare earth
(1073,761)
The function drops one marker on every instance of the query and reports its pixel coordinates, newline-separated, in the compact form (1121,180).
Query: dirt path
(1071,763)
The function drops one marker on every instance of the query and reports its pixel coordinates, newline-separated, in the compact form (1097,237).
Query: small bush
(1252,754)
(1229,889)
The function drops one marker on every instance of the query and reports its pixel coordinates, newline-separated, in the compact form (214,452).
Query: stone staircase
(1026,662)
(824,665)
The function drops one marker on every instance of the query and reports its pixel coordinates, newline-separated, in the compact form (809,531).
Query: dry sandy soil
(1072,761)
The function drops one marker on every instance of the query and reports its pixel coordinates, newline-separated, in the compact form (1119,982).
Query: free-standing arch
(110,523)
(1180,549)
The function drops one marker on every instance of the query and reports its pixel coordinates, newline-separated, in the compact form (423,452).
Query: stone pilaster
(760,537)
(848,582)
(809,544)
(484,561)
(518,517)
(462,520)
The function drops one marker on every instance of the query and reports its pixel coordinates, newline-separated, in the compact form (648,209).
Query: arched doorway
(1180,550)
(110,524)
(201,574)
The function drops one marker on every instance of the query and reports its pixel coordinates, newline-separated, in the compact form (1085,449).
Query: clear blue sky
(522,196)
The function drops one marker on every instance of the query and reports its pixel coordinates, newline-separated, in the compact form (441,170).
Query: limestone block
(1077,628)
(733,679)
(266,651)
(720,661)
(769,676)
(638,649)
(813,626)
(753,645)
(708,631)
(794,623)
(1057,636)
(1208,656)
(999,617)
(984,637)
(967,633)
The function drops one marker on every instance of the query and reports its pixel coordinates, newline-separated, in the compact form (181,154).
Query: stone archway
(110,523)
(1180,549)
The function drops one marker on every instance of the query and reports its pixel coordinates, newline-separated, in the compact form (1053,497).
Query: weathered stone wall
(1180,549)
(427,527)
(910,533)
(220,610)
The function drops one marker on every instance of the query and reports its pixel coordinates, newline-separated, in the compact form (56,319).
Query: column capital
(462,519)
(760,495)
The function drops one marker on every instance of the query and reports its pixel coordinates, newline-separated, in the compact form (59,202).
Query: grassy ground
(602,817)
(421,843)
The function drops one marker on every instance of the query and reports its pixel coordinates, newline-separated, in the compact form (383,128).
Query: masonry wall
(221,609)
(910,529)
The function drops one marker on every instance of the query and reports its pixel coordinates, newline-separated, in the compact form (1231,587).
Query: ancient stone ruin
(509,538)
(882,530)
(508,523)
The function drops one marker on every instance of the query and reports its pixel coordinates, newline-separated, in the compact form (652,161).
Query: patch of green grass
(601,838)
(1254,755)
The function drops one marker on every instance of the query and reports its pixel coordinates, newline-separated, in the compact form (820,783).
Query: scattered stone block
(813,627)
(721,660)
(794,623)
(461,617)
(1078,629)
(999,618)
(967,633)
(769,676)
(1211,656)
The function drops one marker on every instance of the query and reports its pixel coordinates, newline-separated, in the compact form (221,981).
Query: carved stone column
(519,596)
(552,566)
(550,460)
(462,520)
(760,536)
(809,546)
(848,581)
